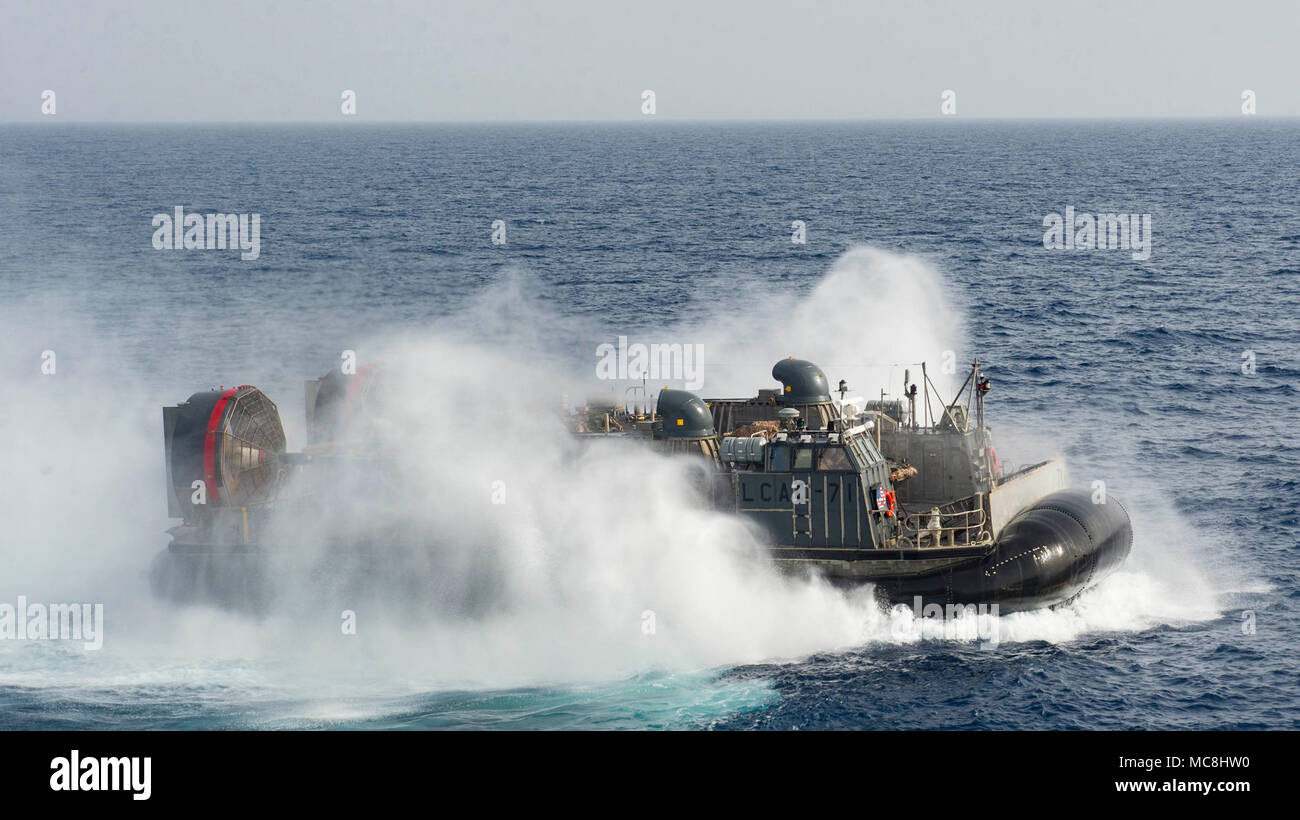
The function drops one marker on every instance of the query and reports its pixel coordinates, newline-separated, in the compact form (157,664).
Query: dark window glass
(834,458)
(780,458)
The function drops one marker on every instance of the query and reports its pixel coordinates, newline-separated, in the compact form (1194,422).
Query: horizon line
(353,120)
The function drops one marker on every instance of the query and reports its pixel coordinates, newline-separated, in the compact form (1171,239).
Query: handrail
(969,523)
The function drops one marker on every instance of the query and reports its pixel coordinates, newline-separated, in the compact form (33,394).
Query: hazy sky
(259,60)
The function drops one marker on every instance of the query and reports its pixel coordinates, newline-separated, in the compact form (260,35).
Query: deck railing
(951,528)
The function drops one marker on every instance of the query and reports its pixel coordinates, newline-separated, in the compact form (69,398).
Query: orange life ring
(997,465)
(889,501)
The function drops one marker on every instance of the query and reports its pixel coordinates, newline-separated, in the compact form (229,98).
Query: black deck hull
(1046,555)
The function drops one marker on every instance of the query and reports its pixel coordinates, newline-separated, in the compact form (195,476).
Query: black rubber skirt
(1047,555)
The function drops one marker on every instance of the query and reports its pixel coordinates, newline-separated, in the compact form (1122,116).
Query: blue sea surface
(637,227)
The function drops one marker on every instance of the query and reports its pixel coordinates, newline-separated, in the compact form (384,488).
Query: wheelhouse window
(780,458)
(803,458)
(835,459)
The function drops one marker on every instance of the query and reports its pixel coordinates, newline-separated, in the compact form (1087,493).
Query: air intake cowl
(804,382)
(684,415)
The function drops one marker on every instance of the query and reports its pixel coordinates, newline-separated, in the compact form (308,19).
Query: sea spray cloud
(77,499)
(655,361)
(556,579)
(873,314)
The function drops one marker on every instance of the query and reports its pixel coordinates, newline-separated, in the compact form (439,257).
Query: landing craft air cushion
(857,492)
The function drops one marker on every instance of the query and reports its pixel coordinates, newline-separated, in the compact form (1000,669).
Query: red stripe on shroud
(210,444)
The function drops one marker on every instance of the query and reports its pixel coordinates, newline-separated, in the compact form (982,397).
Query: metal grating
(252,438)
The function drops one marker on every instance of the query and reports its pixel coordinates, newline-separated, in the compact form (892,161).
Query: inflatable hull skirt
(1046,555)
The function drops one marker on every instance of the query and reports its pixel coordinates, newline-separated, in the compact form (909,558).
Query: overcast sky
(273,60)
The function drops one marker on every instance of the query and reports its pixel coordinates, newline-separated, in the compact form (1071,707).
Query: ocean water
(1172,379)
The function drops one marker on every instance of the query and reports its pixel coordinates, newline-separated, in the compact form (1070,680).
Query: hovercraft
(859,492)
